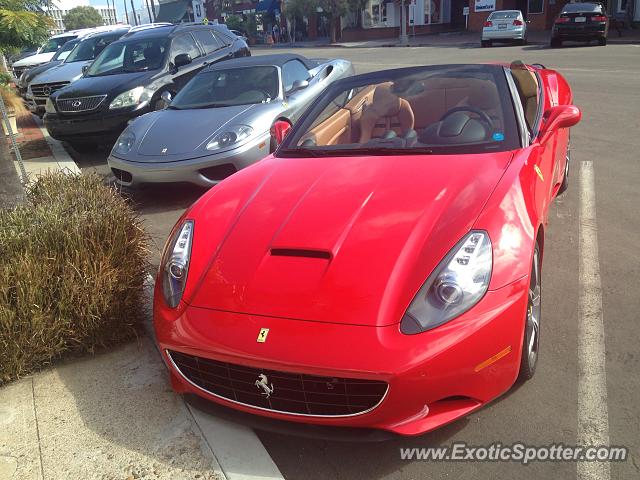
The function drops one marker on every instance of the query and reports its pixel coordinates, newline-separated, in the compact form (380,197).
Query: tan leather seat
(386,112)
(528,90)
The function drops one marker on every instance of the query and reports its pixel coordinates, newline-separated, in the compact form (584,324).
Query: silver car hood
(65,72)
(174,133)
(36,59)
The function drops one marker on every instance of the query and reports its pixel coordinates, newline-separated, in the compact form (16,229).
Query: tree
(22,24)
(297,9)
(335,9)
(82,17)
(357,6)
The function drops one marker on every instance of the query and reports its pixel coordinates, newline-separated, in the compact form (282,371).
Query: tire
(531,337)
(555,43)
(485,43)
(602,41)
(565,179)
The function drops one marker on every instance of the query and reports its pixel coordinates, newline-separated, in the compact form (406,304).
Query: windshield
(65,50)
(89,48)
(503,15)
(446,109)
(54,44)
(132,56)
(229,87)
(582,7)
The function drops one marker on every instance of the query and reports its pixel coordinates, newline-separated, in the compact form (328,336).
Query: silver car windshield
(229,87)
(132,56)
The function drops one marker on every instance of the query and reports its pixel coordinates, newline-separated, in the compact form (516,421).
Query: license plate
(502,26)
(580,19)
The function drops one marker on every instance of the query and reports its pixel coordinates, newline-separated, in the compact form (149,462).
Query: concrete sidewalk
(40,153)
(454,39)
(112,415)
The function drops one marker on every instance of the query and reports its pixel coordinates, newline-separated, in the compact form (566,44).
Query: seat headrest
(385,102)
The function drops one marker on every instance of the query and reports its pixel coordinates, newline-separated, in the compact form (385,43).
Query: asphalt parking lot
(545,410)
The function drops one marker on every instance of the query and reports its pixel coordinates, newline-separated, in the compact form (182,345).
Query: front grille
(80,104)
(293,393)
(46,89)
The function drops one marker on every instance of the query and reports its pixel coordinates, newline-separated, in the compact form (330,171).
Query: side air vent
(296,252)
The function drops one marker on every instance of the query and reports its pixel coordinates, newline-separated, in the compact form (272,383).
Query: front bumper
(433,378)
(191,170)
(100,125)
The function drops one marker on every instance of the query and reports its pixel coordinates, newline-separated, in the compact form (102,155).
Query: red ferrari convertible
(382,268)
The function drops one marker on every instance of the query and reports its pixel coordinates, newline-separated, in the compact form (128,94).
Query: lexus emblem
(76,104)
(47,91)
(263,383)
(164,150)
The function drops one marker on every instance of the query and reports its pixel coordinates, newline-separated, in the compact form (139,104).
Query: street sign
(465,10)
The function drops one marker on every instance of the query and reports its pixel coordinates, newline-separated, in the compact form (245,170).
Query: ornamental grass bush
(72,272)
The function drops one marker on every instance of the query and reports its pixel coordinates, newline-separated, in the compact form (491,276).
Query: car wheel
(602,41)
(531,337)
(555,43)
(523,41)
(485,43)
(565,179)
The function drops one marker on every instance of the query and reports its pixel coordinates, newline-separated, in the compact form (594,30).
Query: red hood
(344,240)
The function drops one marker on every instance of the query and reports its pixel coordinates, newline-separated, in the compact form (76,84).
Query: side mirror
(166,98)
(84,69)
(298,85)
(560,116)
(182,59)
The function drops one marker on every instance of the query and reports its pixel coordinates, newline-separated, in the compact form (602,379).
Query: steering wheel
(463,108)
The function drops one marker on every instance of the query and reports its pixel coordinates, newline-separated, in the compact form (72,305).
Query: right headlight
(457,284)
(125,142)
(175,264)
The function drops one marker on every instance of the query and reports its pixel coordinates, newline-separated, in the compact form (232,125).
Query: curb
(62,158)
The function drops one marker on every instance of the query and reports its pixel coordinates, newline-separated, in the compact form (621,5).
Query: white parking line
(593,416)
(237,448)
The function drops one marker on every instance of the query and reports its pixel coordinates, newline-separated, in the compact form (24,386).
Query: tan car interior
(527,85)
(376,110)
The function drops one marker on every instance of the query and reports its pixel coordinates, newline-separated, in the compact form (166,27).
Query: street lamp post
(404,39)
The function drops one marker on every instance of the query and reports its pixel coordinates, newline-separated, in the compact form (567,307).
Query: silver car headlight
(125,142)
(49,107)
(175,264)
(231,136)
(457,284)
(131,98)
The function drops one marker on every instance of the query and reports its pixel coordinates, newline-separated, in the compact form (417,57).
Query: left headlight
(231,136)
(134,97)
(125,142)
(457,284)
(175,264)
(49,107)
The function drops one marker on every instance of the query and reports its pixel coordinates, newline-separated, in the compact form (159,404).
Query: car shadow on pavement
(122,415)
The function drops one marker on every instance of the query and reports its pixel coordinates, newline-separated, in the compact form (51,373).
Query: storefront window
(376,14)
(535,6)
(432,11)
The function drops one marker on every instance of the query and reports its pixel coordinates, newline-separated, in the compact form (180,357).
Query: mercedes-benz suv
(129,77)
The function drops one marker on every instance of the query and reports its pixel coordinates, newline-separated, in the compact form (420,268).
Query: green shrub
(72,272)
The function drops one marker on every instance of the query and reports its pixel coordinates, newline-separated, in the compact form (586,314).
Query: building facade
(60,8)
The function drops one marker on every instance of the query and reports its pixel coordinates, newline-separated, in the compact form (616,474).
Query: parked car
(129,77)
(28,75)
(504,26)
(48,50)
(23,53)
(581,22)
(41,87)
(240,34)
(382,268)
(230,115)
